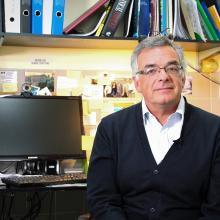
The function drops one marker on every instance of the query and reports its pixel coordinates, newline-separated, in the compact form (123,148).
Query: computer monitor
(41,127)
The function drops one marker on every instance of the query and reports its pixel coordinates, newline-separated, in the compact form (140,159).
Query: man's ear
(136,81)
(183,81)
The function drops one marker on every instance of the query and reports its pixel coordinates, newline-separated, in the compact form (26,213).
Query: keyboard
(43,180)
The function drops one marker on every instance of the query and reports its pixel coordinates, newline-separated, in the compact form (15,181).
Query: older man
(158,159)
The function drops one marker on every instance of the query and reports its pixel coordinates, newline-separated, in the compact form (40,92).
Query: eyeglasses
(171,69)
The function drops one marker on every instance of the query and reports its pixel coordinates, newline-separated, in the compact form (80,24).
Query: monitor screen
(47,127)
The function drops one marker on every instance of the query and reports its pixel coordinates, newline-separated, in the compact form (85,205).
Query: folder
(47,16)
(214,13)
(205,8)
(85,15)
(1,16)
(58,17)
(107,10)
(26,16)
(207,24)
(74,9)
(12,15)
(37,18)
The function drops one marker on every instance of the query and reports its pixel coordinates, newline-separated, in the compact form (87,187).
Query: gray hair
(156,41)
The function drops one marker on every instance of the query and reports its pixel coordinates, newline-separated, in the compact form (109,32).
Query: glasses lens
(151,70)
(172,69)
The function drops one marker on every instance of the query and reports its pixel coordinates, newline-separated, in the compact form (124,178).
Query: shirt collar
(180,109)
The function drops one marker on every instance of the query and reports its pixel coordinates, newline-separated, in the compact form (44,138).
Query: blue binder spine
(144,18)
(58,17)
(37,16)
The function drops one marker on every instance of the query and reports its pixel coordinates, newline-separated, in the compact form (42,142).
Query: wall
(205,94)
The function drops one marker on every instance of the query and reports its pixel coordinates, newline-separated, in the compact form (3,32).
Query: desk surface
(76,186)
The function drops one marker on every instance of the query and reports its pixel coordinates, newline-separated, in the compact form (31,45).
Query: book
(214,13)
(114,18)
(157,15)
(86,14)
(144,18)
(134,32)
(90,23)
(94,30)
(153,17)
(178,28)
(128,18)
(185,6)
(217,4)
(74,9)
(206,21)
(170,17)
(163,16)
(101,25)
(203,3)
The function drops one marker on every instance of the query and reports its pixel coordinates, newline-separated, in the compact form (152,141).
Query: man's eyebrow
(172,62)
(150,65)
(169,63)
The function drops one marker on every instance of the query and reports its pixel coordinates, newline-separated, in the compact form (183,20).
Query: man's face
(160,89)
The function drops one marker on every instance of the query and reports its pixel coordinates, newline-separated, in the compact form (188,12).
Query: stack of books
(183,19)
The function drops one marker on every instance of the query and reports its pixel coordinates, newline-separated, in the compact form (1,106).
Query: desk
(62,202)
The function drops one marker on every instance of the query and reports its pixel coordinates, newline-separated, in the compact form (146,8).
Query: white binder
(12,16)
(47,16)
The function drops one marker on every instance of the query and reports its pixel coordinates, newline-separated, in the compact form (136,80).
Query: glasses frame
(142,72)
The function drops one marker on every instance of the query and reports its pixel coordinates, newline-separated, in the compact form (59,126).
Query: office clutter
(183,19)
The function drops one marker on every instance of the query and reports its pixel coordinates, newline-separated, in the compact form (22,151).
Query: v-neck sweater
(125,182)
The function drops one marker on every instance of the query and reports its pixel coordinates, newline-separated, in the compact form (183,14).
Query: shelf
(64,41)
(29,40)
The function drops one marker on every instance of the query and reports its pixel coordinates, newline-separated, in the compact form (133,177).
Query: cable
(50,208)
(10,206)
(35,206)
(6,168)
(3,207)
(31,209)
(202,74)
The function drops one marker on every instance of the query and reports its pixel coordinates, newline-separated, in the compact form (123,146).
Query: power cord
(2,216)
(51,202)
(8,167)
(35,206)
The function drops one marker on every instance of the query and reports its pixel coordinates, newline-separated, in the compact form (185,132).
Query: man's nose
(163,74)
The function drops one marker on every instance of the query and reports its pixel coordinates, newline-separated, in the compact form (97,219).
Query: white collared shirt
(161,137)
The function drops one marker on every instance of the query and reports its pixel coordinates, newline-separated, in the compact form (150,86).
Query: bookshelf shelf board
(29,40)
(198,46)
(66,41)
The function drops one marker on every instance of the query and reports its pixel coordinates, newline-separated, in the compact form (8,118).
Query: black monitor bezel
(52,156)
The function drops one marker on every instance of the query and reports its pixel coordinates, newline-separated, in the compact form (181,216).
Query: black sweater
(125,182)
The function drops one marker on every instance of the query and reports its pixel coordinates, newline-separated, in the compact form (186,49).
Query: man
(159,159)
